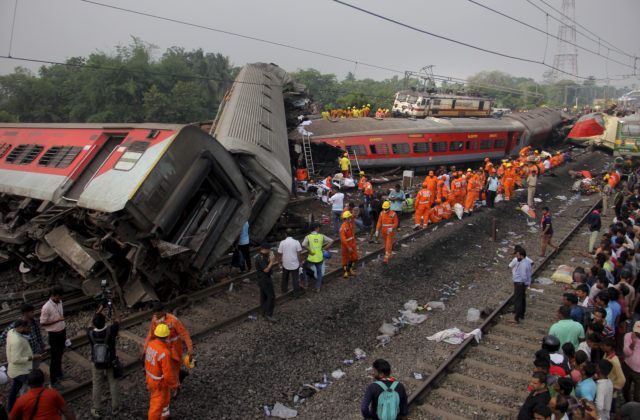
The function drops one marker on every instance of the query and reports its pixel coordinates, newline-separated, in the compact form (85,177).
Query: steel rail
(466,344)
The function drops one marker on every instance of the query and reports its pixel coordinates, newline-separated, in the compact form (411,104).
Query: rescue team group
(162,354)
(588,366)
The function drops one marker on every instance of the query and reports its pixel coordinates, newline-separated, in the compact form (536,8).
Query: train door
(96,162)
(511,141)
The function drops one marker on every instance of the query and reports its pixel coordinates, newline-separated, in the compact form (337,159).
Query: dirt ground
(256,364)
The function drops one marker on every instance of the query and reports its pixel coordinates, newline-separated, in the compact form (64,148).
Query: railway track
(489,380)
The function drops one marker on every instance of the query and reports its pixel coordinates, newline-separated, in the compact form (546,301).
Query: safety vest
(157,365)
(409,208)
(328,182)
(315,244)
(344,163)
(361,182)
(368,188)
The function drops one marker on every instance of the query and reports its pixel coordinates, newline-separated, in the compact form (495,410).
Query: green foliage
(129,86)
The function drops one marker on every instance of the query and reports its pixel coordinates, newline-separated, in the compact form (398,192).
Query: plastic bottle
(267,411)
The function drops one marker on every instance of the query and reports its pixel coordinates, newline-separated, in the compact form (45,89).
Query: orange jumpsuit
(540,168)
(423,206)
(160,378)
(508,180)
(472,193)
(348,240)
(443,191)
(614,178)
(328,183)
(446,210)
(361,182)
(437,213)
(387,223)
(178,335)
(456,191)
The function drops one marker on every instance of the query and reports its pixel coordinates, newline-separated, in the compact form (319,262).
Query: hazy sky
(56,30)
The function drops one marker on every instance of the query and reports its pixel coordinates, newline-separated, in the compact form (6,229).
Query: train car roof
(97,126)
(347,127)
(441,95)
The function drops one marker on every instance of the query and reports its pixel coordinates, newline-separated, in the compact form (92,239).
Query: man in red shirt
(47,403)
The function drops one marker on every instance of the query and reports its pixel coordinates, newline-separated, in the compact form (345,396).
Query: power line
(465,44)
(546,32)
(597,41)
(586,29)
(253,38)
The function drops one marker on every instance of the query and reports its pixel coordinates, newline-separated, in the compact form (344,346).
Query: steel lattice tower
(566,58)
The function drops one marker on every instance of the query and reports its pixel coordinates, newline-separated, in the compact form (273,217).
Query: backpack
(100,352)
(388,402)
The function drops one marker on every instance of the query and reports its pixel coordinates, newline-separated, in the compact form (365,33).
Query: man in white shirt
(337,206)
(290,258)
(52,319)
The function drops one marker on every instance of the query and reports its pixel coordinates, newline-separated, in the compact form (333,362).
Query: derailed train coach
(147,207)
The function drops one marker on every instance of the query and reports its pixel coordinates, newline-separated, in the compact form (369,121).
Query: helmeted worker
(472,192)
(178,335)
(456,189)
(446,210)
(387,222)
(502,168)
(365,110)
(361,181)
(614,179)
(488,166)
(349,246)
(345,164)
(508,180)
(160,378)
(368,192)
(424,199)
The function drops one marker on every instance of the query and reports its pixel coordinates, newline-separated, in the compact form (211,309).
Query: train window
(631,129)
(421,147)
(129,158)
(456,146)
(518,140)
(400,148)
(379,149)
(486,144)
(472,144)
(498,143)
(439,146)
(436,102)
(4,148)
(357,149)
(59,156)
(24,154)
(453,104)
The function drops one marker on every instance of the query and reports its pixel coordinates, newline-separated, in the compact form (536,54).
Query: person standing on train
(349,246)
(396,198)
(508,181)
(387,223)
(345,164)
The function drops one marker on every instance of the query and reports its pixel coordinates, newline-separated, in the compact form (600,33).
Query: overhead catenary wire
(542,31)
(455,41)
(599,38)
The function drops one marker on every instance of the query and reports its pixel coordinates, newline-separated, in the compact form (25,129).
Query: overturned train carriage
(145,206)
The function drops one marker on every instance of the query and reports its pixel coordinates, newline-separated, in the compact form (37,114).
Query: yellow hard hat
(188,362)
(162,331)
(508,165)
(521,164)
(536,152)
(368,105)
(346,214)
(386,205)
(361,172)
(346,154)
(468,169)
(606,177)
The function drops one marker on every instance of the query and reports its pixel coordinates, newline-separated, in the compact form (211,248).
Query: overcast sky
(56,30)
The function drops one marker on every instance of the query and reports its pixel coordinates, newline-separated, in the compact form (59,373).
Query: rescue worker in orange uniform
(431,183)
(472,192)
(349,246)
(387,223)
(442,191)
(365,110)
(614,179)
(456,190)
(437,213)
(523,173)
(508,180)
(361,182)
(446,210)
(159,373)
(178,335)
(423,208)
(368,193)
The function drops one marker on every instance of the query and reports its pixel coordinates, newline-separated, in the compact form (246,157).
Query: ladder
(308,158)
(353,156)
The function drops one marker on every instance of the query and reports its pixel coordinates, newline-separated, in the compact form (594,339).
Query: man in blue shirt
(492,188)
(613,311)
(521,269)
(35,336)
(594,223)
(243,246)
(396,198)
(587,387)
(547,231)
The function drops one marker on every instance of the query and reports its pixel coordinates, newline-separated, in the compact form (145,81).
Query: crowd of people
(354,112)
(29,399)
(588,366)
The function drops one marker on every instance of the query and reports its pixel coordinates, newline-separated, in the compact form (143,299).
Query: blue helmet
(326,254)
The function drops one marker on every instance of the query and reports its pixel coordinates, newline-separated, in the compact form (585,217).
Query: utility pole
(566,58)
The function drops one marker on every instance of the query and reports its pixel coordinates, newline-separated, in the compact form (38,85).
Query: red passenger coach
(408,143)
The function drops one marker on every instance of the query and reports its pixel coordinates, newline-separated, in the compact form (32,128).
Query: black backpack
(100,352)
